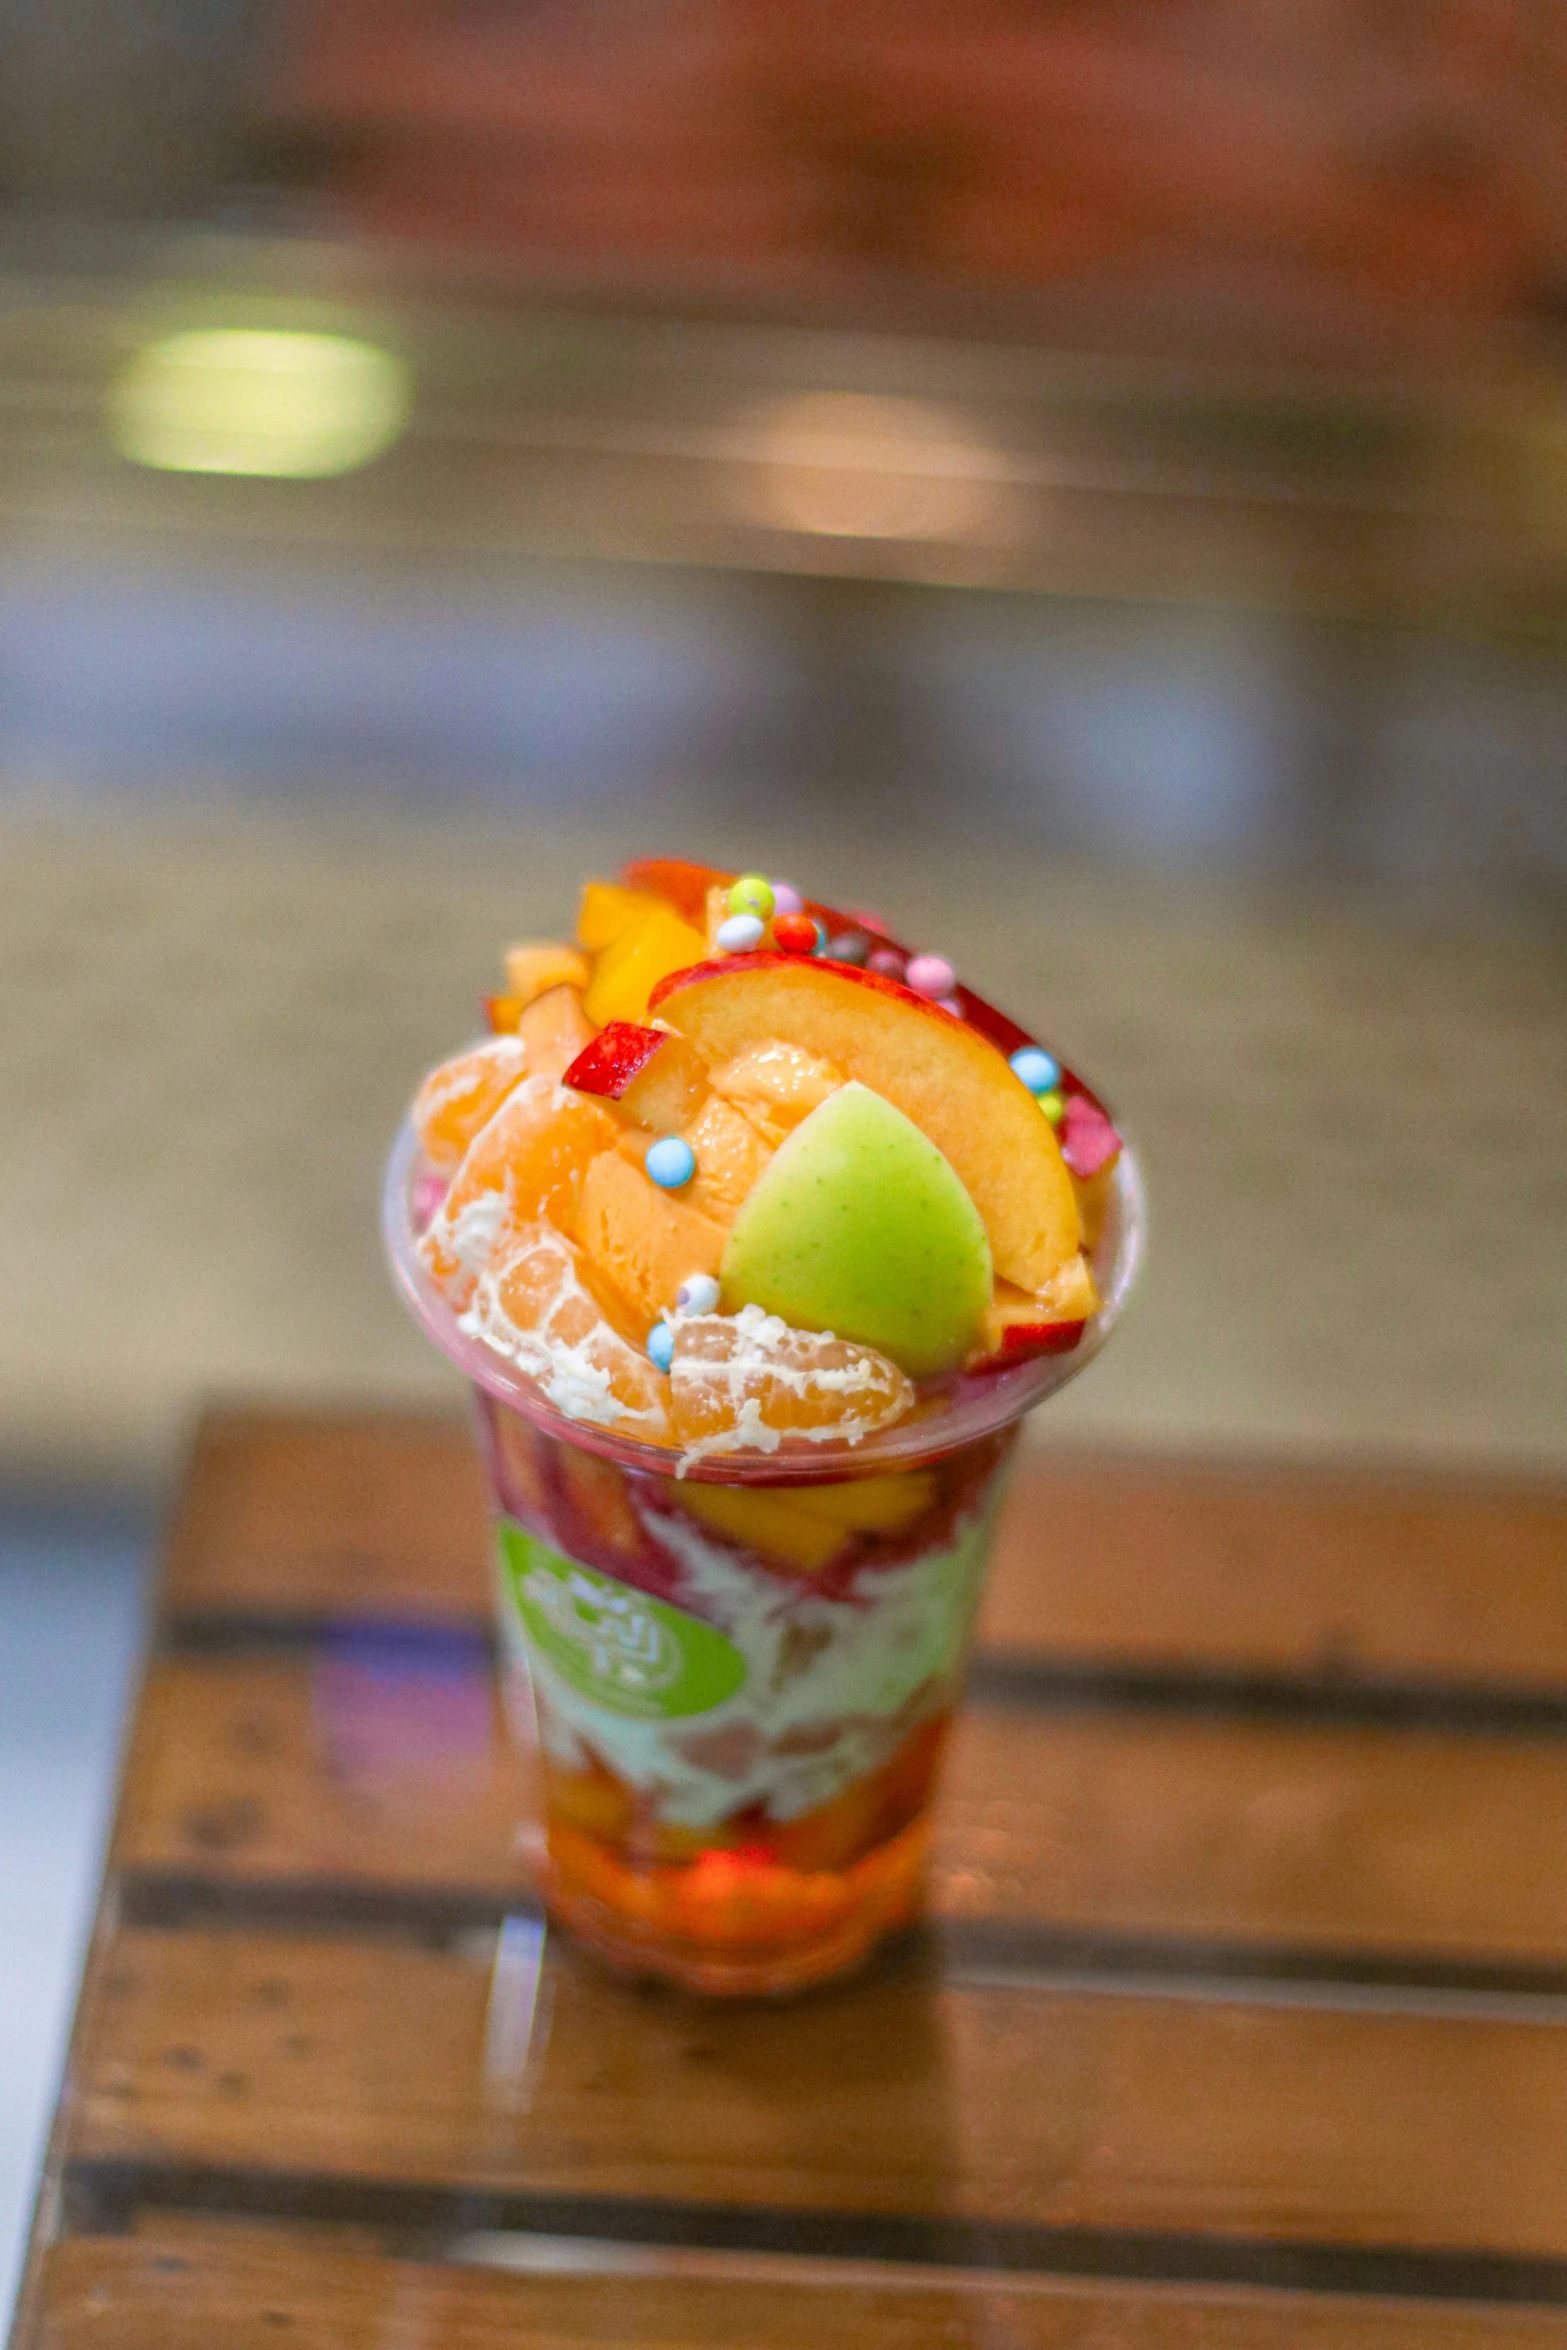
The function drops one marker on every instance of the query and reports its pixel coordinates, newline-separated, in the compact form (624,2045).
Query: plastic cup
(733,1687)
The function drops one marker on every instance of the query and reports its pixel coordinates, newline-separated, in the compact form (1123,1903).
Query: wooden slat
(1152,1565)
(1342,1839)
(186,2286)
(1170,1566)
(894,2095)
(291,1514)
(288,1768)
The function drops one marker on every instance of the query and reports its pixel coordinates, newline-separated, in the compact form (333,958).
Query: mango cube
(631,966)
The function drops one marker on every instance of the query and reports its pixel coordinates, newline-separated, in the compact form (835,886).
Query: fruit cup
(733,1685)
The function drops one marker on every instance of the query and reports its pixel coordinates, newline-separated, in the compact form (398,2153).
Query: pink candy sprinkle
(430,1187)
(930,975)
(1087,1138)
(786,900)
(887,962)
(952,1004)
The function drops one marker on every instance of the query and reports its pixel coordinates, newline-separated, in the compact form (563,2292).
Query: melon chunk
(945,1078)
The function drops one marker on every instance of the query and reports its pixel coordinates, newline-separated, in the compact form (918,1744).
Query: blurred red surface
(1330,153)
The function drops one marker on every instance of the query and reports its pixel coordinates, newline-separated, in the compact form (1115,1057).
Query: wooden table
(1240,2020)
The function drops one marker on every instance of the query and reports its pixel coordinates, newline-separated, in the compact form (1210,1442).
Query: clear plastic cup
(733,1686)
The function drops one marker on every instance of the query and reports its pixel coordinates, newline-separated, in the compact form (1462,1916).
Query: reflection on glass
(240,400)
(402,1699)
(517,2019)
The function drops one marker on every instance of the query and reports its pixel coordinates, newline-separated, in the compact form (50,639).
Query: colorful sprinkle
(850,946)
(795,933)
(952,1004)
(740,934)
(1040,1072)
(661,1346)
(697,1295)
(1054,1106)
(752,894)
(1088,1140)
(887,962)
(786,898)
(930,975)
(670,1162)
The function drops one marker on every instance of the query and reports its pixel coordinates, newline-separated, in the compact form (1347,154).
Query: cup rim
(983,1401)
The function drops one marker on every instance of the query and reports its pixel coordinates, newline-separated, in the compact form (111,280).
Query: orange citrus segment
(783,1081)
(642,1240)
(748,1380)
(532,1305)
(538,965)
(729,1154)
(528,1161)
(464,1094)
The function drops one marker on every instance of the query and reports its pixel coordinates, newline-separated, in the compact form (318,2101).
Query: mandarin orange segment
(748,1380)
(643,1241)
(528,1161)
(782,1081)
(536,966)
(533,1305)
(729,1154)
(462,1095)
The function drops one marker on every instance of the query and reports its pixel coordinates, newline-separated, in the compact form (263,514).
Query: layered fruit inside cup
(737,1696)
(757,1231)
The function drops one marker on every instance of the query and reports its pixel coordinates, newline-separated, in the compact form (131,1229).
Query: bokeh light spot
(240,400)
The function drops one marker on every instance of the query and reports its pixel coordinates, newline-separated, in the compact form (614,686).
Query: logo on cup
(621,1649)
(625,1645)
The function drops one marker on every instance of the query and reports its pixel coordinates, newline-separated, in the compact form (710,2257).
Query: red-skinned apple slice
(652,1076)
(954,1085)
(684,886)
(1022,1340)
(678,882)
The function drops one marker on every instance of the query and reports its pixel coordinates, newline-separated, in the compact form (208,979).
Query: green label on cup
(631,1654)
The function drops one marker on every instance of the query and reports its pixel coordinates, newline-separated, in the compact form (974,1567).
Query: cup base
(732,1924)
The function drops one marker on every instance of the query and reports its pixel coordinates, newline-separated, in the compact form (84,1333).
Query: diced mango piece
(767,1523)
(642,1240)
(528,1161)
(869,1505)
(1093,1202)
(730,1154)
(554,1028)
(464,1094)
(536,966)
(634,962)
(607,909)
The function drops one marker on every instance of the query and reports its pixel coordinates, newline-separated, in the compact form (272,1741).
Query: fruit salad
(757,1232)
(737,1174)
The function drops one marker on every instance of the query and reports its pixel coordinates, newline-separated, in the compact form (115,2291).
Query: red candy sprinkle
(795,933)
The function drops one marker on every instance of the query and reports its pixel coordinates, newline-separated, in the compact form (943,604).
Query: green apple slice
(860,1226)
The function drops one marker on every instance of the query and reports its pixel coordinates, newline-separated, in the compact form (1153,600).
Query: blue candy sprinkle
(739,934)
(670,1162)
(661,1346)
(1039,1072)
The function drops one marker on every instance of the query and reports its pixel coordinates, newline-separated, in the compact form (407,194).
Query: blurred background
(1089,479)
